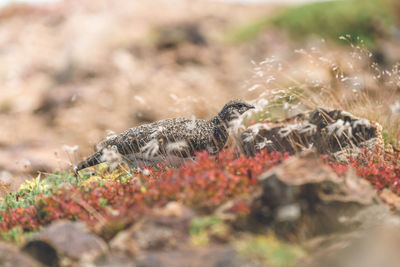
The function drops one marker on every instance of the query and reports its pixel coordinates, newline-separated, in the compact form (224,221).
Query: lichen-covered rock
(304,198)
(327,131)
(63,243)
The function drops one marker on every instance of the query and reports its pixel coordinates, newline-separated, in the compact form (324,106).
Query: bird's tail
(90,161)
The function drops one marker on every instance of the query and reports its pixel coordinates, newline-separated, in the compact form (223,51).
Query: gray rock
(166,228)
(304,198)
(10,256)
(64,242)
(320,196)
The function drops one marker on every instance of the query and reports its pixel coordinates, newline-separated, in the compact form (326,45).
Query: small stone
(165,228)
(65,241)
(10,256)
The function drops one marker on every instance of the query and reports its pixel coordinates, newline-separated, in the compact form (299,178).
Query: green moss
(249,31)
(16,235)
(269,250)
(390,136)
(30,189)
(366,19)
(103,202)
(201,223)
(46,185)
(204,229)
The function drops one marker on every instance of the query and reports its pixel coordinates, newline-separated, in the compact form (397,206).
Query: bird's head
(233,109)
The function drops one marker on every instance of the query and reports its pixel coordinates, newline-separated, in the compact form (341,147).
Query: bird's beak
(251,107)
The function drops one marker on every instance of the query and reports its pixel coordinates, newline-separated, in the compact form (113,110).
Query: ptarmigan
(171,140)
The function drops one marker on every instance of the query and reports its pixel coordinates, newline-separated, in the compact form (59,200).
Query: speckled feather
(194,134)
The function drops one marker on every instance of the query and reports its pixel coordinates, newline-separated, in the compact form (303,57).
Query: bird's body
(171,140)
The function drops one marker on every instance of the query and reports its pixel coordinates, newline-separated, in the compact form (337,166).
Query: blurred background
(72,72)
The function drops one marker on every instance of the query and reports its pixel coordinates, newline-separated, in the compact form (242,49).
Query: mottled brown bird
(171,140)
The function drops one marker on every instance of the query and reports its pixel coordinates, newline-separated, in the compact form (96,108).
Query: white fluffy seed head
(285,131)
(362,122)
(111,156)
(151,148)
(176,146)
(146,172)
(334,126)
(248,136)
(254,130)
(192,124)
(345,129)
(159,131)
(308,129)
(236,125)
(259,126)
(310,146)
(339,127)
(303,128)
(263,143)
